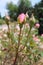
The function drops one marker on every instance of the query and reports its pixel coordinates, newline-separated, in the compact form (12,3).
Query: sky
(4,2)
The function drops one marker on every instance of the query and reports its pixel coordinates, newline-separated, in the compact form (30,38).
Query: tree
(38,10)
(12,10)
(24,6)
(0,15)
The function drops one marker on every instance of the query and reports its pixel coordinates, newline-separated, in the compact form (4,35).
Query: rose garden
(20,42)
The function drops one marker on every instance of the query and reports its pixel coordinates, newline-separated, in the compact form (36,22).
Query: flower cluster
(19,41)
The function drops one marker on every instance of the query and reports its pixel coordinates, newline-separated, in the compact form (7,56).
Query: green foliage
(0,15)
(2,21)
(24,6)
(12,10)
(39,8)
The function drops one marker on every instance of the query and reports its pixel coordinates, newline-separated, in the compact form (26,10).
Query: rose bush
(21,45)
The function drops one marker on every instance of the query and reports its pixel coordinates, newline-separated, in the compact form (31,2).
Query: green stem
(28,35)
(17,49)
(26,40)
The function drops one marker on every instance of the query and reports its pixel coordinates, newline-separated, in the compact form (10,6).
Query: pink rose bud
(37,25)
(7,17)
(21,18)
(35,38)
(32,18)
(27,15)
(41,34)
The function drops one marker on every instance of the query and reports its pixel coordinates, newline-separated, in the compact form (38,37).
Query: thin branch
(17,49)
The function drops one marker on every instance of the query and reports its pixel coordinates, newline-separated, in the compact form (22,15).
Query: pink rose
(21,18)
(35,38)
(41,34)
(37,25)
